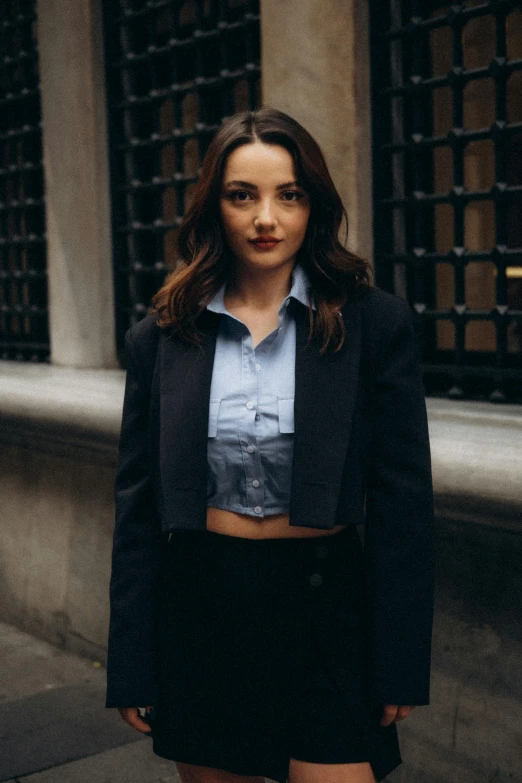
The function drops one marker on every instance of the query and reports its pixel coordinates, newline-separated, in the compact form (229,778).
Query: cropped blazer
(361,457)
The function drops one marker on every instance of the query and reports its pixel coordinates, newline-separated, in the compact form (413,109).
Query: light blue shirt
(251,416)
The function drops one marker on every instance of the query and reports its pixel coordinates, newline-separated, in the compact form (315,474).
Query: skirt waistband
(332,546)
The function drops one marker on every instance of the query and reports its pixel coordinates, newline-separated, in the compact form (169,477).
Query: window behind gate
(447,125)
(175,71)
(24,333)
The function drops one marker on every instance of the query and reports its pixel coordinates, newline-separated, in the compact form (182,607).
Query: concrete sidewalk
(54,727)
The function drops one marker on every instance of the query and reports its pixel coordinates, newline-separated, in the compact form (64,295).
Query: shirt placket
(250,369)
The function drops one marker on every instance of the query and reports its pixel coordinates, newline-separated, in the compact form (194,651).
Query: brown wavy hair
(336,274)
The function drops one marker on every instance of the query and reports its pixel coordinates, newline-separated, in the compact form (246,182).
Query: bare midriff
(273,526)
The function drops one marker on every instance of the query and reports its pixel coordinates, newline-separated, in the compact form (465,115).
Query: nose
(265,216)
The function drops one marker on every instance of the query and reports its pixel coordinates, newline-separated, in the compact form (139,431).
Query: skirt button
(316,580)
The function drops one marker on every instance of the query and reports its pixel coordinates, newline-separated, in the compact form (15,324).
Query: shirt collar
(299,290)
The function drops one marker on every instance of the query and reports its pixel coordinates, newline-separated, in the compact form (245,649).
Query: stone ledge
(476,446)
(62,410)
(477,461)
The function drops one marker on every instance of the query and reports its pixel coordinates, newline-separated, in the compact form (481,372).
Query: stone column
(81,301)
(316,67)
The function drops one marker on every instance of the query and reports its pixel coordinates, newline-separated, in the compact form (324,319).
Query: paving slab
(53,715)
(31,666)
(132,763)
(58,726)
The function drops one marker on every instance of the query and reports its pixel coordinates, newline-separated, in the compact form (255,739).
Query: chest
(253,385)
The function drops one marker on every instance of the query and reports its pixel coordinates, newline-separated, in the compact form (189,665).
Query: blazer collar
(325,393)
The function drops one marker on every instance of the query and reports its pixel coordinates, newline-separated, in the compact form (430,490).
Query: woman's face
(260,198)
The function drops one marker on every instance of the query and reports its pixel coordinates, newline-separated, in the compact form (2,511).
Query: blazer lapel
(325,394)
(185,379)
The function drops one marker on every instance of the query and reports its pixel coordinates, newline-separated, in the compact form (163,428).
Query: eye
(234,195)
(295,193)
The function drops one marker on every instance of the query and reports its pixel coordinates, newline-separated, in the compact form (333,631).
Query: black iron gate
(175,70)
(447,135)
(24,333)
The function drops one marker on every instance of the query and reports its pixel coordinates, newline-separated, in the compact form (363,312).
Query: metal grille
(24,333)
(447,124)
(175,71)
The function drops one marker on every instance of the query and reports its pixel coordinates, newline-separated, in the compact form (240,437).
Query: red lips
(264,240)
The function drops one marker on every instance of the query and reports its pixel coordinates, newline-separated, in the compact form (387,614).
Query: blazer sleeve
(399,532)
(136,554)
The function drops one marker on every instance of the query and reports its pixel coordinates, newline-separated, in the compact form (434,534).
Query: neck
(261,289)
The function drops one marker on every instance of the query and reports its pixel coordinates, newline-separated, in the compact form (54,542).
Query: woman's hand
(131,716)
(394,712)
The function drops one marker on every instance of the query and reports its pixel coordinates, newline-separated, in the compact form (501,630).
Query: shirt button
(250,405)
(255,483)
(258,509)
(316,580)
(258,367)
(250,449)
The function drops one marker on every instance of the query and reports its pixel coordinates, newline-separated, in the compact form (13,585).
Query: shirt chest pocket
(285,411)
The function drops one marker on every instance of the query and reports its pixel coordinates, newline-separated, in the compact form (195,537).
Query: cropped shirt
(251,415)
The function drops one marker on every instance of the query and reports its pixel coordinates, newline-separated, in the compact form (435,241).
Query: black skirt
(262,656)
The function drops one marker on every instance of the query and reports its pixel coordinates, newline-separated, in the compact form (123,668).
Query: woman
(273,398)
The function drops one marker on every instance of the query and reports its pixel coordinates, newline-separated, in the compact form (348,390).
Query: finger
(142,726)
(130,715)
(146,719)
(403,712)
(388,714)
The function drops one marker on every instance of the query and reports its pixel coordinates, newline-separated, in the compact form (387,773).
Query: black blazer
(361,456)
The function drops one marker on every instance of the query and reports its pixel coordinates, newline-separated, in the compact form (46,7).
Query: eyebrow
(241,183)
